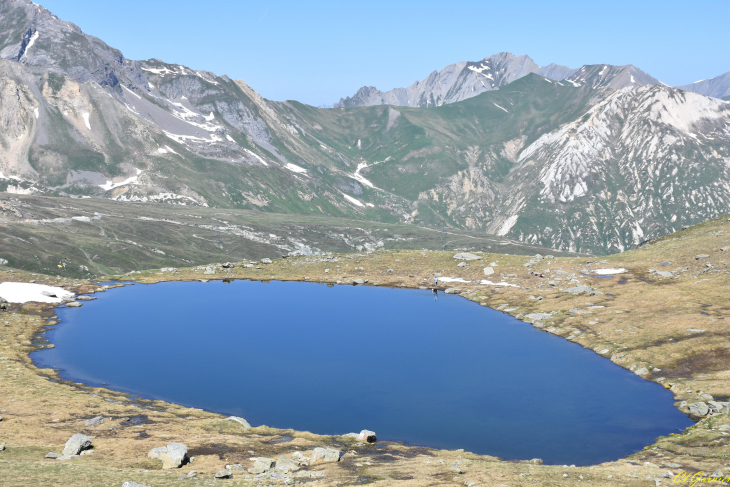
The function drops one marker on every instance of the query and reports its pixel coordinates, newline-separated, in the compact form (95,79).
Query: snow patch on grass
(23,292)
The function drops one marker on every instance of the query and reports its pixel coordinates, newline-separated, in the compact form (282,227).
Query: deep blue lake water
(333,360)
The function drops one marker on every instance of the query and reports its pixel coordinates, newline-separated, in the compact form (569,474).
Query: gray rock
(266,260)
(76,444)
(73,304)
(641,371)
(451,290)
(172,455)
(261,465)
(324,455)
(466,256)
(701,256)
(664,274)
(488,271)
(223,474)
(2,447)
(300,458)
(666,263)
(717,474)
(241,421)
(719,406)
(538,316)
(724,427)
(582,289)
(228,265)
(52,455)
(367,436)
(209,271)
(698,408)
(673,465)
(131,483)
(235,467)
(93,421)
(286,465)
(358,282)
(455,467)
(462,264)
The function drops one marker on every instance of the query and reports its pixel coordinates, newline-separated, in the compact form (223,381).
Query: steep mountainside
(456,82)
(576,164)
(717,87)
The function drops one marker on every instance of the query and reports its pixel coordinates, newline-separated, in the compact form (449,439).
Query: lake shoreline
(691,363)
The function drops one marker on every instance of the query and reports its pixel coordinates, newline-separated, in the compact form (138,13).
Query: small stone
(717,474)
(641,371)
(537,461)
(455,467)
(93,421)
(324,455)
(132,484)
(701,256)
(228,265)
(358,282)
(224,474)
(2,447)
(73,304)
(235,467)
(666,263)
(266,260)
(462,264)
(488,271)
(75,444)
(52,455)
(451,290)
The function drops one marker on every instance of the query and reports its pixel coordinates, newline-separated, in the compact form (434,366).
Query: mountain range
(596,159)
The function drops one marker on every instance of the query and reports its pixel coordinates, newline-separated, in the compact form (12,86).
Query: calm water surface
(447,373)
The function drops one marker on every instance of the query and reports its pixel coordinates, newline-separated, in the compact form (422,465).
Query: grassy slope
(122,237)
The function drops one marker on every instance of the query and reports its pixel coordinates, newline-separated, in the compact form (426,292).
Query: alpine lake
(416,367)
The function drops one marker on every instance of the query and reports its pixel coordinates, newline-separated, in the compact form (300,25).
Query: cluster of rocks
(265,468)
(702,408)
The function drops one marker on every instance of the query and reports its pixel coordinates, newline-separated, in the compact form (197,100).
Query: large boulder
(76,444)
(324,455)
(261,465)
(466,256)
(286,465)
(698,408)
(173,455)
(241,421)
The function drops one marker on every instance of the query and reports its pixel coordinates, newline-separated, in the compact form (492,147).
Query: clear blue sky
(318,51)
